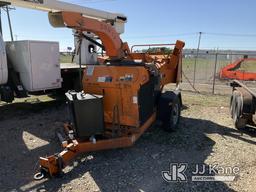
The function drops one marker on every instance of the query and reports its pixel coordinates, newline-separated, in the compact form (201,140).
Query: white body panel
(87,57)
(53,5)
(3,63)
(37,63)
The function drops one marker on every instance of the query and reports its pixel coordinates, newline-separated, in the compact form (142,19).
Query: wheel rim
(175,114)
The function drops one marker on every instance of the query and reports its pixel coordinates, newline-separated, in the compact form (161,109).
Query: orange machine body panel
(120,86)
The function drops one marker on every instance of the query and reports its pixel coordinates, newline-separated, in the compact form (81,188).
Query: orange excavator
(122,94)
(232,71)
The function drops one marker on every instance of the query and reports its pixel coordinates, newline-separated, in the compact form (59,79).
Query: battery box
(86,113)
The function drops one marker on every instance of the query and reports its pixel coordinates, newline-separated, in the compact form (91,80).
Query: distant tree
(165,50)
(69,49)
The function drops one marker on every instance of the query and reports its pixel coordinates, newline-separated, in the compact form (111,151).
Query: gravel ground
(205,136)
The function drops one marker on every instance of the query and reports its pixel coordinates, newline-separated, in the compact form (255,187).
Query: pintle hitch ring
(39,176)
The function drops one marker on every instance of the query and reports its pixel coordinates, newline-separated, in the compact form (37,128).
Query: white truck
(28,66)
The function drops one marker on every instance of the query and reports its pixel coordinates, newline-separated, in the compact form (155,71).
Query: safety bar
(151,45)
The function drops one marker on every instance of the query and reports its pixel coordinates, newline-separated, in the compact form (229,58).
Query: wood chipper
(122,95)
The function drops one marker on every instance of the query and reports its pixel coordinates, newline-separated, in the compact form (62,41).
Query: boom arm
(116,19)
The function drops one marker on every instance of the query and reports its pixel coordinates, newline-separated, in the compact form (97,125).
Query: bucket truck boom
(115,19)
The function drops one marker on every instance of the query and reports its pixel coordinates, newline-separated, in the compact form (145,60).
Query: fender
(164,102)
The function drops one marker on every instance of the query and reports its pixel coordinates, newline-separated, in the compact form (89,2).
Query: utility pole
(197,53)
(9,21)
(1,29)
(214,71)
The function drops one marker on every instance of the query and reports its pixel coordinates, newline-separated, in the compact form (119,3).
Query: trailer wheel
(6,94)
(174,117)
(233,101)
(237,107)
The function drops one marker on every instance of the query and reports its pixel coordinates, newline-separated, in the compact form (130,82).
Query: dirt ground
(205,136)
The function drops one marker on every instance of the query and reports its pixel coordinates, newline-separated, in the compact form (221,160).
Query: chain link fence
(201,72)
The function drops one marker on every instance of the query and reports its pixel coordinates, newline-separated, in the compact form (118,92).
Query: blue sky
(227,24)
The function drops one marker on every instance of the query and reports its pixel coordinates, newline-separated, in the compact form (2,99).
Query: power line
(230,34)
(156,36)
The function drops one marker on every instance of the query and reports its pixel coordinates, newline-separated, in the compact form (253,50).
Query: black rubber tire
(175,110)
(6,94)
(237,105)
